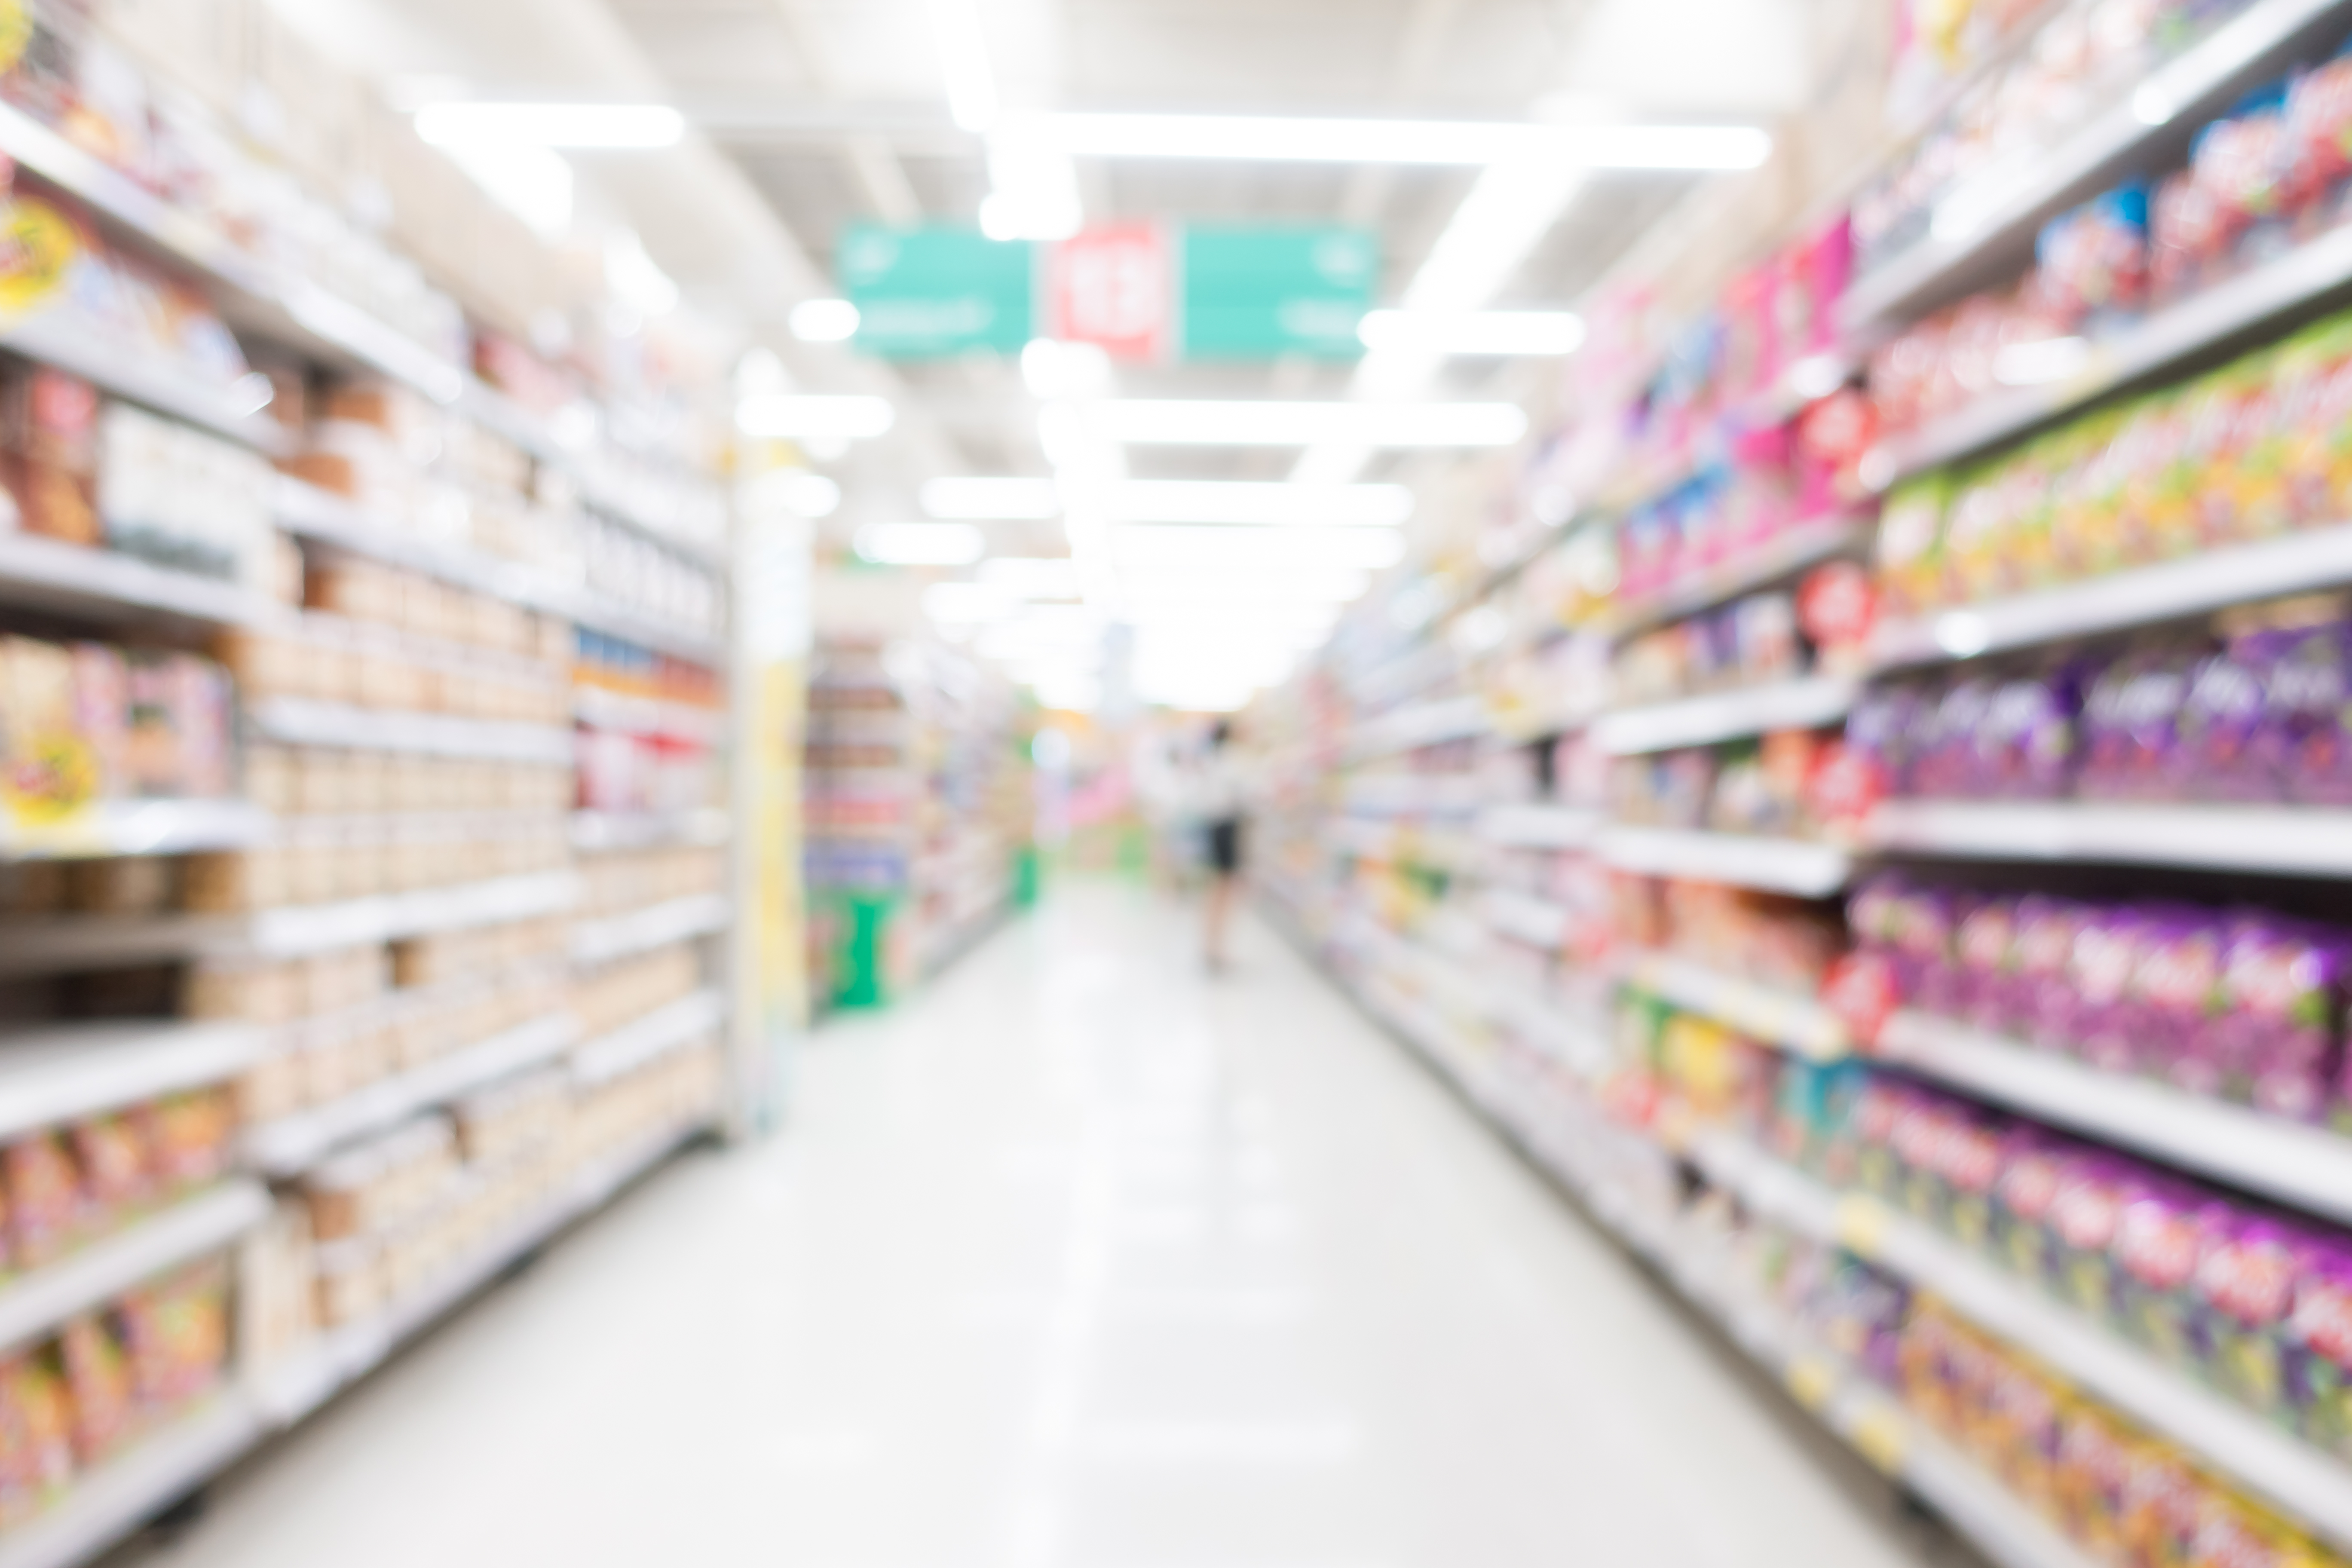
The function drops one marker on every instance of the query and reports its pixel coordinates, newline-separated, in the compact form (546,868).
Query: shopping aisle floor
(1080,1261)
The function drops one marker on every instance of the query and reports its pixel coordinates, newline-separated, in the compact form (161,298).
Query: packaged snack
(2247,1281)
(2163,1235)
(36,1436)
(2319,1348)
(2084,1212)
(2094,1476)
(98,1376)
(45,1199)
(2032,1167)
(175,1333)
(115,1176)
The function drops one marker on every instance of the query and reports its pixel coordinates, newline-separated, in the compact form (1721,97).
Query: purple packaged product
(2303,741)
(2280,1028)
(1940,986)
(2162,1237)
(1984,948)
(2023,744)
(2319,1350)
(2175,997)
(2220,730)
(2032,1164)
(2129,736)
(2100,1021)
(2042,948)
(2092,1187)
(2246,1284)
(1946,763)
(1887,728)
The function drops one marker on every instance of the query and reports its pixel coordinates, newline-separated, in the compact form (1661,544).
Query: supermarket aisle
(1081,1260)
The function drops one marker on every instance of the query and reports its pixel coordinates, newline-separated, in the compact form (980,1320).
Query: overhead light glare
(992,500)
(1032,577)
(1396,426)
(796,417)
(825,321)
(618,126)
(1270,139)
(1256,548)
(1271,504)
(1496,334)
(921,543)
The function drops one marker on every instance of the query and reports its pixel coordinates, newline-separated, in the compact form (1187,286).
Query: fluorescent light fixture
(1032,577)
(795,491)
(1400,426)
(1268,139)
(992,500)
(1498,334)
(971,80)
(825,321)
(968,603)
(1242,613)
(1033,188)
(1279,584)
(1187,500)
(1257,549)
(594,125)
(1055,371)
(795,417)
(921,543)
(532,182)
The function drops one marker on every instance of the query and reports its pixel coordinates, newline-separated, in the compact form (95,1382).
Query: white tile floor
(1080,1260)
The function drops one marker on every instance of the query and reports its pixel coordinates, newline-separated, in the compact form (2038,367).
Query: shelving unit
(1810,703)
(1792,1021)
(1793,866)
(34,1303)
(2284,841)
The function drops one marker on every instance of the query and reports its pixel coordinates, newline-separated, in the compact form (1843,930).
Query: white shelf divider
(83,348)
(294,1142)
(1795,1022)
(301,721)
(57,1075)
(602,832)
(646,1039)
(319,927)
(2194,585)
(34,1303)
(1539,826)
(2286,841)
(1779,557)
(2300,1479)
(1793,866)
(107,1503)
(642,931)
(1995,214)
(2308,1167)
(109,829)
(1809,703)
(1522,917)
(91,581)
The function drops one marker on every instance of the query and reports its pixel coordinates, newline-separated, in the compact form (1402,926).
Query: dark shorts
(1225,846)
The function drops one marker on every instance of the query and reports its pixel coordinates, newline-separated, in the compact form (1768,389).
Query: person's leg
(1220,914)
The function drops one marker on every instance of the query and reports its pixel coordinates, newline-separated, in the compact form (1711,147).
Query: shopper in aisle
(1221,795)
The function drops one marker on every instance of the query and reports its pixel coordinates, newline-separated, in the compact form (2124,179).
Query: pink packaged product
(2162,1236)
(2318,1347)
(2246,1284)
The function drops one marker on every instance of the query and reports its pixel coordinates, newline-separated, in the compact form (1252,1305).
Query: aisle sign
(1260,293)
(936,293)
(1140,292)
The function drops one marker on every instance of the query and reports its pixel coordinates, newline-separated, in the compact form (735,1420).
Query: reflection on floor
(1082,1260)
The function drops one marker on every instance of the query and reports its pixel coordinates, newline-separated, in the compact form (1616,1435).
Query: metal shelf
(1804,704)
(1805,546)
(300,721)
(320,928)
(2284,841)
(1988,225)
(1795,1022)
(58,1075)
(2300,1479)
(2308,1167)
(293,1143)
(642,931)
(99,585)
(600,832)
(82,347)
(1423,724)
(645,1039)
(2193,586)
(1535,921)
(135,828)
(34,1304)
(321,515)
(102,1506)
(1790,866)
(1539,826)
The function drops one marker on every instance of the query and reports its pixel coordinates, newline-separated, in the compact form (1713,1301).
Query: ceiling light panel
(921,543)
(1267,138)
(992,500)
(1251,549)
(584,126)
(786,416)
(1182,501)
(1488,333)
(1395,425)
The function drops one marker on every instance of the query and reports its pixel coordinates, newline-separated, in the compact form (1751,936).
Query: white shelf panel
(320,928)
(107,585)
(129,827)
(645,1039)
(1779,557)
(1423,724)
(300,721)
(1993,218)
(649,716)
(640,931)
(2308,1167)
(104,1505)
(1540,826)
(288,1392)
(321,515)
(1790,866)
(80,347)
(2287,841)
(2193,586)
(597,613)
(293,1143)
(72,943)
(597,832)
(1536,921)
(34,1304)
(1795,1022)
(57,1075)
(1807,704)
(2300,1479)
